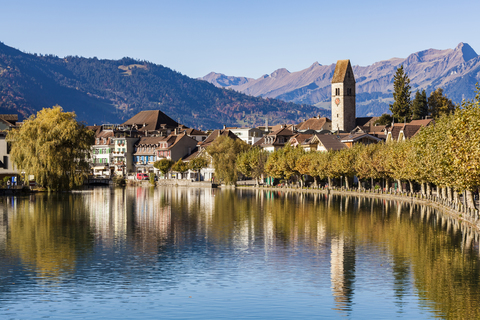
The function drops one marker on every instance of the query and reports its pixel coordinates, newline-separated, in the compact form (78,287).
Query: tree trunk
(449,194)
(444,192)
(399,183)
(410,183)
(422,188)
(387,184)
(359,184)
(429,189)
(470,200)
(456,197)
(347,183)
(329,183)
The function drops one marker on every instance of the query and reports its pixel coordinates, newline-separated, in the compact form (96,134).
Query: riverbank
(455,210)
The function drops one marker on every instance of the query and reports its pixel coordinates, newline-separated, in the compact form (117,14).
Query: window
(349,91)
(337,91)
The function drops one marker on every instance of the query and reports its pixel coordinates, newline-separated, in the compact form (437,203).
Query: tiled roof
(424,122)
(281,132)
(9,119)
(104,134)
(357,136)
(215,134)
(150,141)
(341,70)
(411,130)
(313,124)
(152,119)
(194,132)
(300,138)
(331,142)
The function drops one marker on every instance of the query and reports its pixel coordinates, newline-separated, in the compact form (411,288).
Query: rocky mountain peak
(466,51)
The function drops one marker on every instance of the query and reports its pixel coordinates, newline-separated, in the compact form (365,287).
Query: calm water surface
(174,253)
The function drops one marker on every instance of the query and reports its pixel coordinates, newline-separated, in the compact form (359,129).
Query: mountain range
(112,91)
(454,70)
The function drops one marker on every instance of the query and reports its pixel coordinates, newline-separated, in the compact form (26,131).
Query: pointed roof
(151,120)
(341,71)
(217,133)
(329,141)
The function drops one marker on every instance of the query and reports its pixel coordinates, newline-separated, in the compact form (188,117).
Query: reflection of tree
(47,234)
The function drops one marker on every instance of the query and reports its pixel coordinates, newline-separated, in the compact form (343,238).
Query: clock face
(337,101)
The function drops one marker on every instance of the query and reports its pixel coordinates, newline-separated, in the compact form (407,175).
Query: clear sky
(238,38)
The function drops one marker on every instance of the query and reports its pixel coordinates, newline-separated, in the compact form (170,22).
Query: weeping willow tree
(53,147)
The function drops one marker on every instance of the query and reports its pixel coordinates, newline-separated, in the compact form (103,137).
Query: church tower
(343,97)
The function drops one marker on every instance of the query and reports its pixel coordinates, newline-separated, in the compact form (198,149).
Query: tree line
(444,156)
(405,109)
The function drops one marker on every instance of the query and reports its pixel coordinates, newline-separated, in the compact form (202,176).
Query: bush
(119,181)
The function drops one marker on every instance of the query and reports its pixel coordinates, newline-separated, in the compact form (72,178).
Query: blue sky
(239,38)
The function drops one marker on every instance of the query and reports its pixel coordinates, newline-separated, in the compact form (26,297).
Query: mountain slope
(455,70)
(111,91)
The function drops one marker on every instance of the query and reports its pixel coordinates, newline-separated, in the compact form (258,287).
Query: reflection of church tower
(342,272)
(343,97)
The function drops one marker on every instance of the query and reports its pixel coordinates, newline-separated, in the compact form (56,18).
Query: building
(151,122)
(275,140)
(249,135)
(7,169)
(343,97)
(315,125)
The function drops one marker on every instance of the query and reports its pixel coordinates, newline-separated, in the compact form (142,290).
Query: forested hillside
(111,91)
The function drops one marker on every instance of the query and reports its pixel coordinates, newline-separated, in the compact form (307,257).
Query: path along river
(179,253)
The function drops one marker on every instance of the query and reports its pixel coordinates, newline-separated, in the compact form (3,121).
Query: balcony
(119,154)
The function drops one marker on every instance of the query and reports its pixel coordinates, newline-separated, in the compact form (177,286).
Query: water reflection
(354,246)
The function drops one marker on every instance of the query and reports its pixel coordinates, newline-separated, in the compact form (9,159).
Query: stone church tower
(343,97)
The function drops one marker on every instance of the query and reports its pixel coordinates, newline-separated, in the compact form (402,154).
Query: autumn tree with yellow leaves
(53,147)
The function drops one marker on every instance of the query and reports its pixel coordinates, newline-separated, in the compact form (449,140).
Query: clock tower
(343,97)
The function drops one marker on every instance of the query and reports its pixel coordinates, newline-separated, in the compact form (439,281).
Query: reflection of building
(108,214)
(342,272)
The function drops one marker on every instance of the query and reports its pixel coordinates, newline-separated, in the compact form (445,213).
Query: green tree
(180,167)
(439,104)
(224,151)
(163,166)
(401,107)
(384,120)
(281,164)
(464,146)
(251,163)
(420,105)
(53,147)
(197,164)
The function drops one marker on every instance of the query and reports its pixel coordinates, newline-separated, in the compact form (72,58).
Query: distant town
(132,148)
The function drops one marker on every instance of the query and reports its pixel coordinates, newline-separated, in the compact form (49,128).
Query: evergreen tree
(401,107)
(420,105)
(384,120)
(439,104)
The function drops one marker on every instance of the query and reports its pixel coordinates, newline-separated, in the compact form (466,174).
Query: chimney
(175,131)
(224,127)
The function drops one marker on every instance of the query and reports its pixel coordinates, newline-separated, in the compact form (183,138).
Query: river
(186,253)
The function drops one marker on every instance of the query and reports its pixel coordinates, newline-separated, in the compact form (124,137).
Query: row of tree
(445,154)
